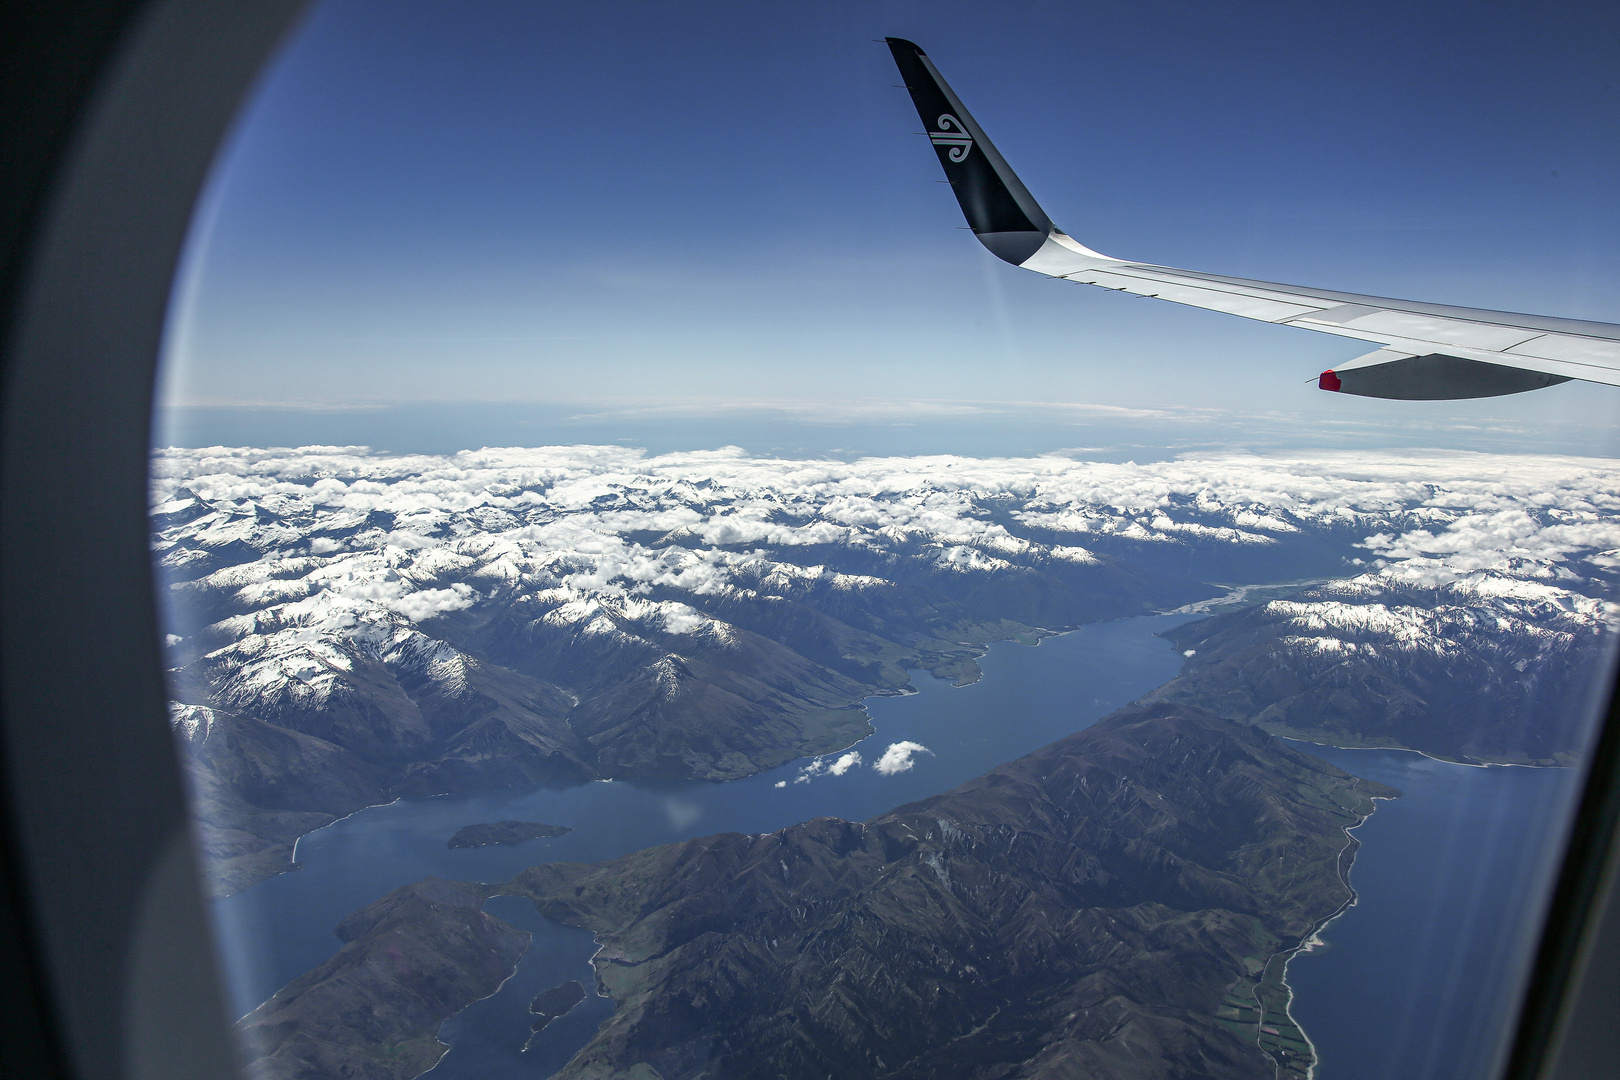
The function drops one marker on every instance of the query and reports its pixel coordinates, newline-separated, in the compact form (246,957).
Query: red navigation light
(1328,381)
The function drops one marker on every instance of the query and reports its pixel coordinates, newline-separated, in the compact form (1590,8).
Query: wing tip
(1329,380)
(900,42)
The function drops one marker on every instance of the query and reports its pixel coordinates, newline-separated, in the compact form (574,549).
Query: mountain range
(1486,668)
(348,627)
(1119,903)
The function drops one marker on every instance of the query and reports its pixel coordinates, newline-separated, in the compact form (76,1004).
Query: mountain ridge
(979,932)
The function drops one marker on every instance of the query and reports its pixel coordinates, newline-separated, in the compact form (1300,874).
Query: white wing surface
(1424,351)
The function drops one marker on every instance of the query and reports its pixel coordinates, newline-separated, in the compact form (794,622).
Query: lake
(1420,978)
(1437,934)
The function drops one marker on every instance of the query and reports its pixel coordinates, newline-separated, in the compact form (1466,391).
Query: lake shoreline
(1312,939)
(1079,676)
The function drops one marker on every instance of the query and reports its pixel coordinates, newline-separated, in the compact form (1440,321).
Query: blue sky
(681,207)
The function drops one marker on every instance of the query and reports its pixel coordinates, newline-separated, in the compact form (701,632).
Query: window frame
(102,924)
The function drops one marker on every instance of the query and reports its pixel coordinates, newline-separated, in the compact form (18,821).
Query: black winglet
(1001,211)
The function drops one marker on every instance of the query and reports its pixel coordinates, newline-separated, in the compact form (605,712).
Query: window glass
(648,594)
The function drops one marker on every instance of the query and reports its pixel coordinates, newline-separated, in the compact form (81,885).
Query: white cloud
(898,757)
(427,603)
(823,767)
(680,619)
(844,764)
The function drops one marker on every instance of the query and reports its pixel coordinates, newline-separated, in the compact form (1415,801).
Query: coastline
(510,976)
(1447,893)
(1353,845)
(1425,753)
(1307,944)
(1029,636)
(328,825)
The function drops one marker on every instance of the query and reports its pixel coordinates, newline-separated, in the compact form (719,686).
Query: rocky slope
(1107,906)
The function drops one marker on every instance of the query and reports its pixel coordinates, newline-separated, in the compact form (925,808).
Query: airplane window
(680,558)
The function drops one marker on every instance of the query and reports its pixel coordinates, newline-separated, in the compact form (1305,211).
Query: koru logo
(951,133)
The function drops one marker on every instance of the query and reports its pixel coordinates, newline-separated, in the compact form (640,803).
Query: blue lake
(1419,979)
(1409,984)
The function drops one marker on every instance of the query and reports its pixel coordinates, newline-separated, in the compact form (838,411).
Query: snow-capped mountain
(1485,667)
(347,626)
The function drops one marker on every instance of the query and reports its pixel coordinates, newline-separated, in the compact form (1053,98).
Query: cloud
(427,603)
(680,619)
(823,767)
(898,757)
(844,764)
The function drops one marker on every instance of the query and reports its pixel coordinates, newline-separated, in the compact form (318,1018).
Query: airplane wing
(1424,351)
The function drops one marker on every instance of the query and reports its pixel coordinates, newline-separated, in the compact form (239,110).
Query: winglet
(1000,210)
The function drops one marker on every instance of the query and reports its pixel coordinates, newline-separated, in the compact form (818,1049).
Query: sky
(442,225)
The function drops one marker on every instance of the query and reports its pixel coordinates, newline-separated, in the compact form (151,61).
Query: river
(1444,893)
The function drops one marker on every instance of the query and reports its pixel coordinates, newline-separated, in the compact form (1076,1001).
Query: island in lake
(506,832)
(548,1005)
